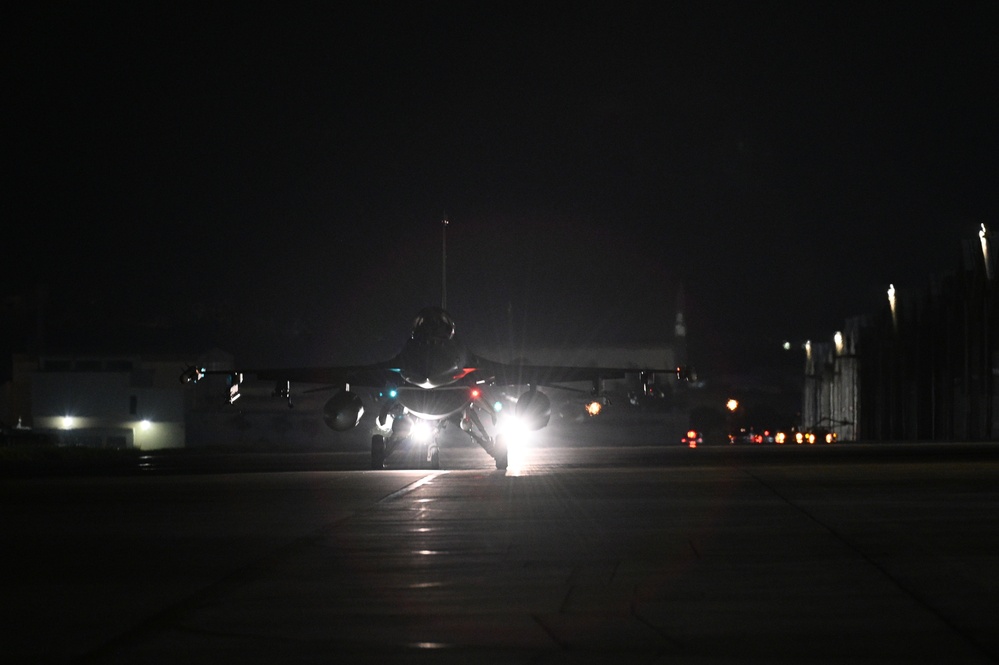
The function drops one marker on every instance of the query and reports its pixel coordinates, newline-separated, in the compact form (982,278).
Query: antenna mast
(444,224)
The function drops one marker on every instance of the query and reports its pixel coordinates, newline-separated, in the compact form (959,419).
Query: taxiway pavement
(591,554)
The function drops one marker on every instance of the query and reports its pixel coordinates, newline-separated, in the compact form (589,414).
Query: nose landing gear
(377,451)
(428,457)
(433,456)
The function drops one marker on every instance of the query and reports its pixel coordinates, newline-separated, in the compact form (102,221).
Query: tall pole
(444,224)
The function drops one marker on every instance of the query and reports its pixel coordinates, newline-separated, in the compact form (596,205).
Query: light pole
(444,224)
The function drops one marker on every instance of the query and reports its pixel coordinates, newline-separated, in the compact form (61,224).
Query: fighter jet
(433,381)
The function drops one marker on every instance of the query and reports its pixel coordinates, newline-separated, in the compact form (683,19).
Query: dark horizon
(273,182)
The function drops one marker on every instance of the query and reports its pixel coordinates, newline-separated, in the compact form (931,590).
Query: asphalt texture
(575,554)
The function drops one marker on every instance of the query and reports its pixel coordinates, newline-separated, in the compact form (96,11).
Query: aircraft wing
(482,370)
(549,375)
(373,376)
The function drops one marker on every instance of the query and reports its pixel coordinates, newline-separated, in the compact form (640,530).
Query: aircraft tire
(377,451)
(435,458)
(500,453)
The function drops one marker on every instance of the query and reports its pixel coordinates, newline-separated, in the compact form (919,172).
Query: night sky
(272,182)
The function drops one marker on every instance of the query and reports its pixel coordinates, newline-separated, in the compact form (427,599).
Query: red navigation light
(476,393)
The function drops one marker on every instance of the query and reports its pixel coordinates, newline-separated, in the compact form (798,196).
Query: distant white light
(787,345)
(68,422)
(838,339)
(145,425)
(732,404)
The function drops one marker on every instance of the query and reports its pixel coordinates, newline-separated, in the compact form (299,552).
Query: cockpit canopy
(432,323)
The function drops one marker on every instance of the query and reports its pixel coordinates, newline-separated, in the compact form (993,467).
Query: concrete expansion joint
(398,494)
(883,570)
(550,633)
(674,643)
(564,605)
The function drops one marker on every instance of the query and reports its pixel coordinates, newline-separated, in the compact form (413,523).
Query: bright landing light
(422,431)
(511,425)
(517,436)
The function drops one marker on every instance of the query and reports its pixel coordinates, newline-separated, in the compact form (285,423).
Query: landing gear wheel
(423,455)
(500,453)
(377,451)
(434,458)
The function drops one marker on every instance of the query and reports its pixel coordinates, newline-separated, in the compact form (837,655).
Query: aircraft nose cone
(429,370)
(430,363)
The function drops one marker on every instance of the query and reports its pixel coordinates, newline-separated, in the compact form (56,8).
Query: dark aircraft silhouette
(434,380)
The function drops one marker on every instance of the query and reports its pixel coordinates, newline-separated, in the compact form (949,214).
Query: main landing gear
(500,452)
(495,446)
(426,452)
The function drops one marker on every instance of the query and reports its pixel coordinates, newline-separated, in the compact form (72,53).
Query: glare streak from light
(891,304)
(983,235)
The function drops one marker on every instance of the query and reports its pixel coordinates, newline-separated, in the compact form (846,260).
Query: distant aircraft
(435,380)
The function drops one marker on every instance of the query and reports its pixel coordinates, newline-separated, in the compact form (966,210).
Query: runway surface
(576,554)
